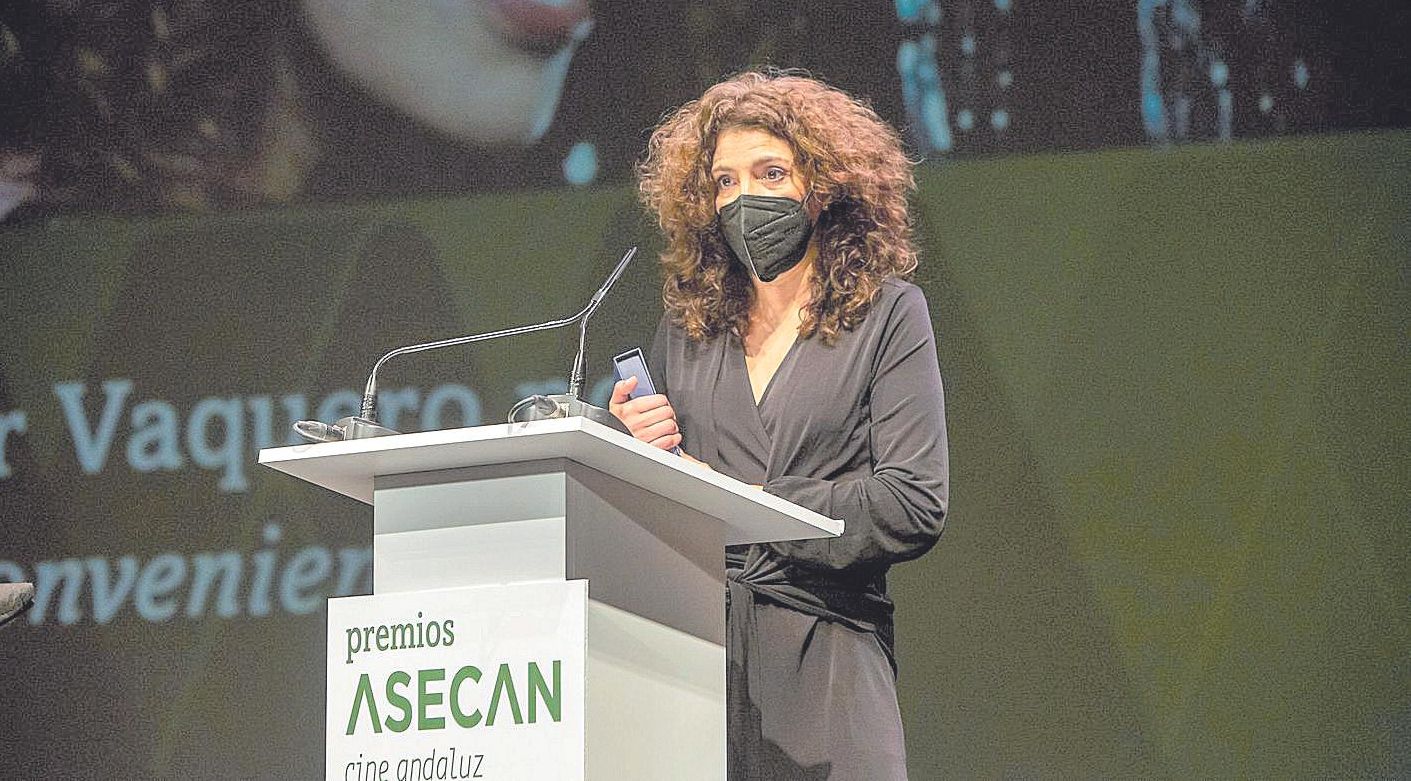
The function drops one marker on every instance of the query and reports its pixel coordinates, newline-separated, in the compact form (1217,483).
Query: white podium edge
(345,467)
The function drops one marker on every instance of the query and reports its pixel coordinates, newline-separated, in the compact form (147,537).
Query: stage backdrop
(1176,382)
(1175,335)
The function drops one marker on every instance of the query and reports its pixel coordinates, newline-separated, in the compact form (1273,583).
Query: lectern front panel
(552,519)
(476,532)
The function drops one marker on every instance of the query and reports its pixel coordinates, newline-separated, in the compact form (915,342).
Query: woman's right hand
(650,418)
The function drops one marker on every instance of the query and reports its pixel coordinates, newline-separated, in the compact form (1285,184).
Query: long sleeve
(898,511)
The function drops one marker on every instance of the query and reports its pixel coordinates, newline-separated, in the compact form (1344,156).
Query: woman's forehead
(745,145)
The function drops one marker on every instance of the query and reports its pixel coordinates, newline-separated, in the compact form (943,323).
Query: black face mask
(769,235)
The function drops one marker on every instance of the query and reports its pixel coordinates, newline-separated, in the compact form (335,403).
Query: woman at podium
(794,355)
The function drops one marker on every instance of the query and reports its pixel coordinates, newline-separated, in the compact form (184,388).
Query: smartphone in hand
(633,364)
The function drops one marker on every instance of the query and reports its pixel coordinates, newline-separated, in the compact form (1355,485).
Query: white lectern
(548,602)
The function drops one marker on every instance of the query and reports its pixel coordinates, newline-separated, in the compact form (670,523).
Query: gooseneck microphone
(575,377)
(365,424)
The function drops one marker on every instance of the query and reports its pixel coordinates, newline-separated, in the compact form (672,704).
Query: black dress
(856,431)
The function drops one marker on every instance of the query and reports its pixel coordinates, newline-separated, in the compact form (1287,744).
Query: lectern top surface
(750,514)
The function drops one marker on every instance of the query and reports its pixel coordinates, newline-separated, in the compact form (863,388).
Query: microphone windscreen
(316,431)
(15,598)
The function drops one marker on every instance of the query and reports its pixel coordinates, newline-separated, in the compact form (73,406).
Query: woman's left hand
(649,418)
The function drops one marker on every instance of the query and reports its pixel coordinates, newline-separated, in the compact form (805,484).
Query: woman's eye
(724,181)
(774,174)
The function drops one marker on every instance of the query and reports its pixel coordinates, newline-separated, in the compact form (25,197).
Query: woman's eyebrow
(718,169)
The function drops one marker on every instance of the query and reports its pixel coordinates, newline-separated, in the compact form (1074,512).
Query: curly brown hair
(855,171)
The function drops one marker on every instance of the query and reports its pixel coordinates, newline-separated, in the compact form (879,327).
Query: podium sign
(481,682)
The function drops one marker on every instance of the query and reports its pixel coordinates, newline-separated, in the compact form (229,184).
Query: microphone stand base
(352,427)
(355,427)
(563,406)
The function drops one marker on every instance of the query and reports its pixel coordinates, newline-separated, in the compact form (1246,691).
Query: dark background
(1176,365)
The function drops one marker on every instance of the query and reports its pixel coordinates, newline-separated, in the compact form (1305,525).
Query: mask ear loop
(813,198)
